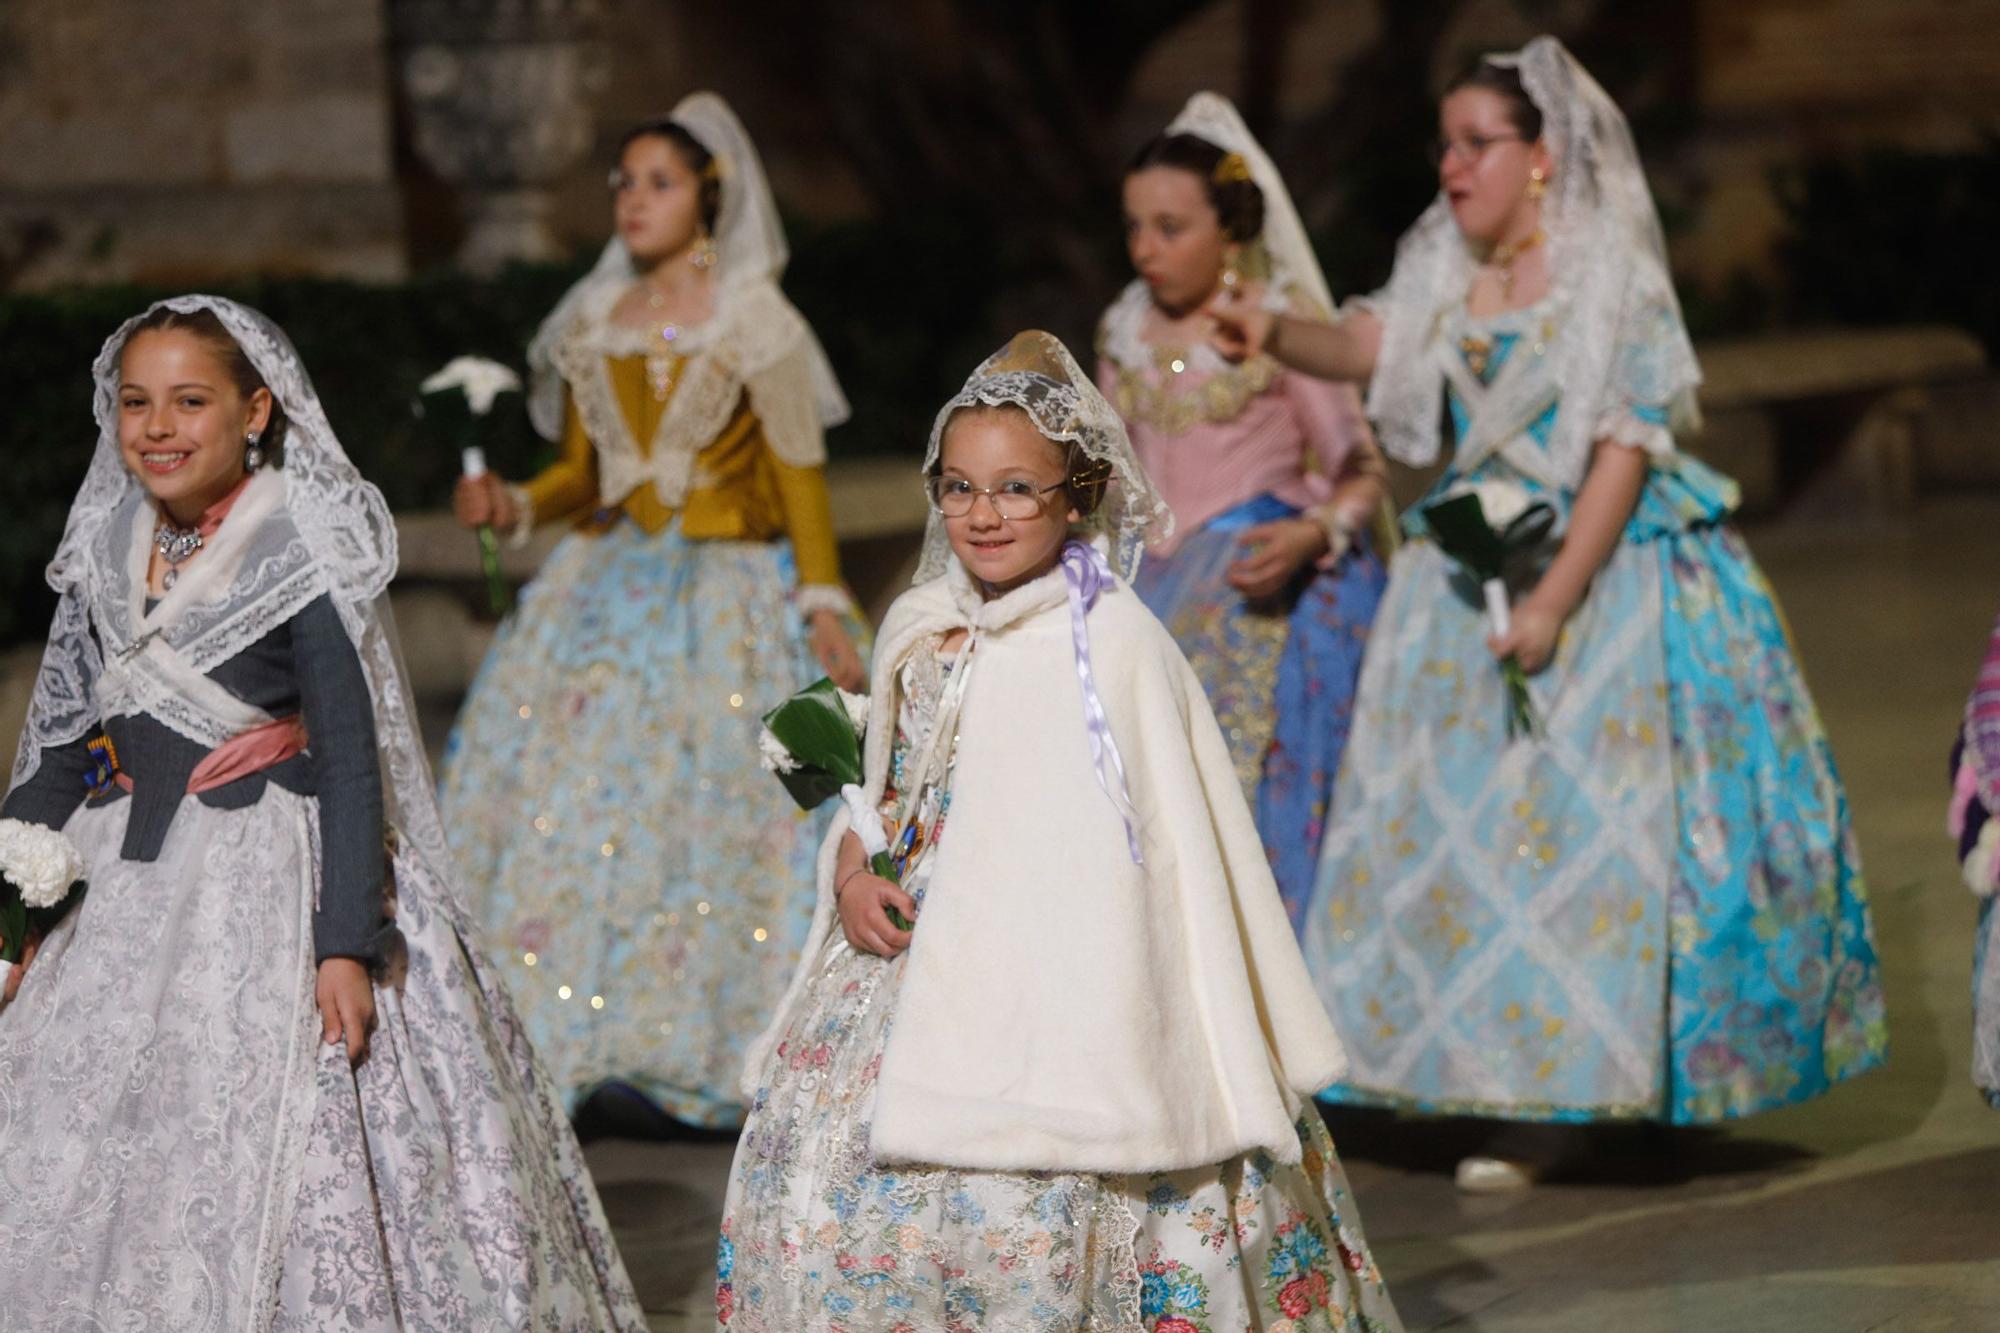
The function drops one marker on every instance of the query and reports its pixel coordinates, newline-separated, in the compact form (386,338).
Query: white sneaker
(1479,1174)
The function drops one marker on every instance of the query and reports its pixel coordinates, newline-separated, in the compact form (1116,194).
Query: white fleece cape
(1064,1009)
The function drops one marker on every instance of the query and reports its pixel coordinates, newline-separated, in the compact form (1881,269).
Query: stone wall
(142,140)
(172,142)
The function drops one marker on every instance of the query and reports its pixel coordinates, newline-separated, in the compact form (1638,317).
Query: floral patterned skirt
(179,1150)
(645,886)
(816,1237)
(1280,675)
(1653,910)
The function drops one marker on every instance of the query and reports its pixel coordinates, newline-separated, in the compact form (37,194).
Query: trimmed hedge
(901,316)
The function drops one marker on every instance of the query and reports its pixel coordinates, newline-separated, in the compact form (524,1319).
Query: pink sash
(248,752)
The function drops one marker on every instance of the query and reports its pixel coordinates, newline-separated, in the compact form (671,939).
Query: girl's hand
(863,899)
(346,1005)
(1531,638)
(483,502)
(20,969)
(835,652)
(1276,551)
(1239,326)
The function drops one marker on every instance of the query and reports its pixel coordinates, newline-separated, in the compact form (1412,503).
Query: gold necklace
(1504,257)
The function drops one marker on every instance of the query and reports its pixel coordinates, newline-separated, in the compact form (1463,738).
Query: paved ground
(1876,1208)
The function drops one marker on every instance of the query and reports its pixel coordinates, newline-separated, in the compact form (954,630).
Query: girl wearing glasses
(642,879)
(1076,1093)
(1653,908)
(1273,575)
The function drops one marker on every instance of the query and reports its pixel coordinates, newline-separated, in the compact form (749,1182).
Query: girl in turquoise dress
(1652,908)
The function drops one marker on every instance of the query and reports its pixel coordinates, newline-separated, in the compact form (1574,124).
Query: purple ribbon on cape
(1087,572)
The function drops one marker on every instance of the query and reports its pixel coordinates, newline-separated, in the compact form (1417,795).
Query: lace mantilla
(316,528)
(1620,341)
(767,334)
(1037,374)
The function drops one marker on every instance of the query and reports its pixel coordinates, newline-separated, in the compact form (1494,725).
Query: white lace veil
(750,252)
(333,536)
(1294,266)
(1037,374)
(1621,339)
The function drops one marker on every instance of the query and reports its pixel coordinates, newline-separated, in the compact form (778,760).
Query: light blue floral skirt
(1653,910)
(643,884)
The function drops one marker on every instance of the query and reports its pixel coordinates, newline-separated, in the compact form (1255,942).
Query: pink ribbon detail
(248,752)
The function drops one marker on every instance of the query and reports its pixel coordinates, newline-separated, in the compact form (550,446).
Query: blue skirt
(644,886)
(1654,909)
(1280,674)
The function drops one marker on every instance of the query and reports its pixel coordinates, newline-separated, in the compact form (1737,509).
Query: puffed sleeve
(1653,371)
(348,920)
(569,483)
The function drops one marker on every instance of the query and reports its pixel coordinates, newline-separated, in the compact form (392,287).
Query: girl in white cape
(1075,1093)
(250,1081)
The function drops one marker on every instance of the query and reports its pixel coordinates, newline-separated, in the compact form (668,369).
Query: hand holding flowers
(812,741)
(479,499)
(1493,531)
(38,868)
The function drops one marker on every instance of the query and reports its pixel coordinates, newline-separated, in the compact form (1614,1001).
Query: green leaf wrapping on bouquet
(813,725)
(1458,524)
(13,922)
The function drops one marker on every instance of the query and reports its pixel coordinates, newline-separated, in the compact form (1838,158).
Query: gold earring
(703,255)
(1538,184)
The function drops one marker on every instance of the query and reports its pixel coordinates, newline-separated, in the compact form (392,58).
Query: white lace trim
(1037,374)
(1621,337)
(750,257)
(809,598)
(757,346)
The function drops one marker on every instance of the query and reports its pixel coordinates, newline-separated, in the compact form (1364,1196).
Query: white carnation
(1502,502)
(773,755)
(38,861)
(481,380)
(857,709)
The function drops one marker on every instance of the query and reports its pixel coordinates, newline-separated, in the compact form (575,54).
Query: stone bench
(1828,421)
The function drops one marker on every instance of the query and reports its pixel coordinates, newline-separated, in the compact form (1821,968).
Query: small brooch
(103,771)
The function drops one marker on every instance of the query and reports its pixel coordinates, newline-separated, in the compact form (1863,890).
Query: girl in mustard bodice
(645,885)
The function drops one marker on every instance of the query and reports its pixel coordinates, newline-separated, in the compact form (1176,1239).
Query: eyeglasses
(1471,148)
(953,497)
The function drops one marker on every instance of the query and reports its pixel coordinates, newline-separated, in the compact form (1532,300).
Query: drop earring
(703,255)
(253,453)
(1538,184)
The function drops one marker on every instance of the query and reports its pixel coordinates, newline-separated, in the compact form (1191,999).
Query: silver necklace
(175,546)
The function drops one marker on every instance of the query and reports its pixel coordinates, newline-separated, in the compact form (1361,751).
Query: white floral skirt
(180,1152)
(816,1237)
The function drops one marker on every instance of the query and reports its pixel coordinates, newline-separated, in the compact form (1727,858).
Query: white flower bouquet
(481,381)
(39,866)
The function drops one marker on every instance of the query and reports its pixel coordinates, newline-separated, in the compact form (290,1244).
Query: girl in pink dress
(1271,576)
